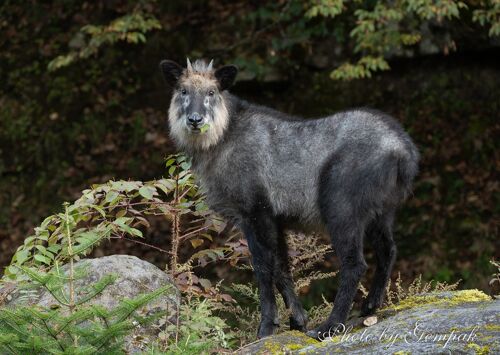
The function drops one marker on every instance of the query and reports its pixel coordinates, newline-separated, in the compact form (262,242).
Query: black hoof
(266,329)
(315,334)
(368,308)
(326,331)
(299,325)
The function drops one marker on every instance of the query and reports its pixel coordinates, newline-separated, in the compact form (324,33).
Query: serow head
(198,106)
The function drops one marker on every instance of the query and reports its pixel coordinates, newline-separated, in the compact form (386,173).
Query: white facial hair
(183,136)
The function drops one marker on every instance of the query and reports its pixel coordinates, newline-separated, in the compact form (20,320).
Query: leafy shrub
(116,211)
(70,326)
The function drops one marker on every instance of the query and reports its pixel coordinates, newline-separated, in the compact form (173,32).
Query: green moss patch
(458,297)
(479,350)
(286,342)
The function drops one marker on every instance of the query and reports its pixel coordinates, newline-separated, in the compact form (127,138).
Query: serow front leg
(262,247)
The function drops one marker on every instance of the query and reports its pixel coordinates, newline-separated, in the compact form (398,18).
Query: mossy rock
(464,322)
(283,343)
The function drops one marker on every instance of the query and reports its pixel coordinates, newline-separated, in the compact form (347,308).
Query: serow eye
(211,93)
(183,91)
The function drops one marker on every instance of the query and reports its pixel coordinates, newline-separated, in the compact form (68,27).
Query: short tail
(408,169)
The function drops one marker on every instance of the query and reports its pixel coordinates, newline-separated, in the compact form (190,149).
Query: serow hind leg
(379,234)
(347,240)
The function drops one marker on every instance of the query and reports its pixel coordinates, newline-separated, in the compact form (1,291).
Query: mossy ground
(458,297)
(286,342)
(479,350)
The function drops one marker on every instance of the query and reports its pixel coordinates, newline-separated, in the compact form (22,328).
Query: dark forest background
(82,101)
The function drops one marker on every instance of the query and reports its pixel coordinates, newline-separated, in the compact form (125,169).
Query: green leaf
(21,256)
(54,248)
(121,213)
(42,259)
(44,251)
(147,192)
(111,196)
(204,128)
(171,170)
(87,240)
(208,236)
(166,185)
(99,209)
(121,223)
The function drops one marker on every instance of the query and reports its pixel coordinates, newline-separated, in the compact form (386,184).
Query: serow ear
(226,75)
(171,71)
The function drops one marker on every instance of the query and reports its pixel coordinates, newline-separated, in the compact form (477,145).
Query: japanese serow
(266,171)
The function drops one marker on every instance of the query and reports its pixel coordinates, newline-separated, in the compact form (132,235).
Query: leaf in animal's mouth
(204,128)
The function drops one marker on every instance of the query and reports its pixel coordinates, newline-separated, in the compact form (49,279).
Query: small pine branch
(97,288)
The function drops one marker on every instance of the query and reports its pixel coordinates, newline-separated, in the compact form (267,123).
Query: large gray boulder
(134,277)
(460,322)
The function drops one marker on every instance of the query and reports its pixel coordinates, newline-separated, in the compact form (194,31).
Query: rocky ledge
(459,322)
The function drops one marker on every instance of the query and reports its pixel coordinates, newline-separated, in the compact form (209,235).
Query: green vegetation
(82,102)
(70,325)
(208,318)
(67,329)
(118,210)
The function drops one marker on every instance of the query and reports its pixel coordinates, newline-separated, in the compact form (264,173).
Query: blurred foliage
(81,102)
(128,28)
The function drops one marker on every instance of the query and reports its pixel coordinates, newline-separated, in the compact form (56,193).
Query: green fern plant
(396,291)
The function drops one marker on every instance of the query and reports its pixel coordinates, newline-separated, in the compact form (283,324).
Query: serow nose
(194,118)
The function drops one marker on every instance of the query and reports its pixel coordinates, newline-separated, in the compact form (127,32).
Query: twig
(175,229)
(194,232)
(141,243)
(71,271)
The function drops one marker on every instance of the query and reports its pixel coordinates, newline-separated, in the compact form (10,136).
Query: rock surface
(134,277)
(460,322)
